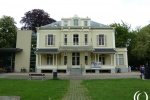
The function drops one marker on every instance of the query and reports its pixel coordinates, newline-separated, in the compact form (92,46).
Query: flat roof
(10,50)
(104,50)
(47,50)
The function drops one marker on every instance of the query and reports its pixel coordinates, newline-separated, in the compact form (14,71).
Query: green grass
(34,89)
(116,89)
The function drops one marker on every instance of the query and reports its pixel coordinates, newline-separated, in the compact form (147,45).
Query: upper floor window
(76,22)
(119,59)
(75,39)
(50,39)
(65,23)
(86,39)
(101,39)
(85,23)
(65,39)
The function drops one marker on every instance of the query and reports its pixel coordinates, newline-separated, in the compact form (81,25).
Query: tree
(36,18)
(122,34)
(141,48)
(8,32)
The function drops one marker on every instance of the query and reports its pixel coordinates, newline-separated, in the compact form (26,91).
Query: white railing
(75,44)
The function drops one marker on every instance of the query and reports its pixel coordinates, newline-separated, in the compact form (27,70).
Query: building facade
(79,45)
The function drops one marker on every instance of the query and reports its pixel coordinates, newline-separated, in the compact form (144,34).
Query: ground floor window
(65,60)
(119,59)
(49,59)
(75,58)
(102,59)
(86,60)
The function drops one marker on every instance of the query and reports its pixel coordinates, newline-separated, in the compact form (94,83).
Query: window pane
(101,39)
(75,22)
(50,40)
(86,39)
(85,23)
(65,60)
(86,60)
(49,59)
(65,39)
(75,39)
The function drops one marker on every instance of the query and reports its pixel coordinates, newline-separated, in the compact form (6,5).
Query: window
(50,39)
(65,23)
(75,22)
(49,59)
(75,39)
(75,58)
(65,60)
(102,59)
(65,39)
(86,39)
(120,59)
(86,60)
(85,23)
(101,39)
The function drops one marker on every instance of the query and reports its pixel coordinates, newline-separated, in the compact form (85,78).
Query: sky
(133,12)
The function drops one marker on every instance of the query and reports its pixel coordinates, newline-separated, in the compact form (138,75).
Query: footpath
(76,91)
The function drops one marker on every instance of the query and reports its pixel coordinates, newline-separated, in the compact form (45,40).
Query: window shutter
(53,39)
(46,40)
(105,42)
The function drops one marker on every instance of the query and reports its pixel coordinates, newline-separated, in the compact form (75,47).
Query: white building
(79,45)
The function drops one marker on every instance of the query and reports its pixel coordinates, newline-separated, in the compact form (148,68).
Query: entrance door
(76,59)
(76,69)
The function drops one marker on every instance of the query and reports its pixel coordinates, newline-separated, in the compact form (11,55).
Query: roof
(10,50)
(104,50)
(57,25)
(47,50)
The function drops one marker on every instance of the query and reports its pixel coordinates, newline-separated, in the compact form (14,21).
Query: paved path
(76,91)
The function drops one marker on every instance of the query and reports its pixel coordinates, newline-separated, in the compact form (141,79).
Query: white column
(114,60)
(111,57)
(40,60)
(37,60)
(56,59)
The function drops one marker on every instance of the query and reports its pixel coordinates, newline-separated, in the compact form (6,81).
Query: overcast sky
(134,12)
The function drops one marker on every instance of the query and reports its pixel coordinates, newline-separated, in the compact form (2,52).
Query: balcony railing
(75,46)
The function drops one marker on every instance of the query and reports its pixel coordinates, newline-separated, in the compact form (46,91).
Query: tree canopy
(8,31)
(36,18)
(122,34)
(141,49)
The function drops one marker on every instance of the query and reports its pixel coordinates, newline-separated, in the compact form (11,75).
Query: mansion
(72,45)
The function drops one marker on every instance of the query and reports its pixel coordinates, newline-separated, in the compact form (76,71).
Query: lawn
(34,89)
(116,89)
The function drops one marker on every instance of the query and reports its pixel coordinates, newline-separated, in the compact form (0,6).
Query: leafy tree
(122,36)
(8,32)
(126,38)
(141,48)
(36,18)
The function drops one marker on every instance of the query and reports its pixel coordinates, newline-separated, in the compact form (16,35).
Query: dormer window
(76,22)
(65,23)
(85,23)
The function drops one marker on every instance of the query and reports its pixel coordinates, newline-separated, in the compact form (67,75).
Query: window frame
(50,40)
(65,39)
(101,40)
(120,59)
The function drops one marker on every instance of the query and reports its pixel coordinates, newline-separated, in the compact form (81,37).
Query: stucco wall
(92,37)
(22,59)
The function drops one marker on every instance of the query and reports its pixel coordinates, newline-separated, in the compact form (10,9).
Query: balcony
(72,46)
